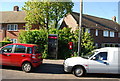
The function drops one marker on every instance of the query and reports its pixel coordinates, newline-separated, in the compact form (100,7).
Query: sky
(100,8)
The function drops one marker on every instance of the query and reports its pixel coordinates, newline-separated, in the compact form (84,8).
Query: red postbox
(70,45)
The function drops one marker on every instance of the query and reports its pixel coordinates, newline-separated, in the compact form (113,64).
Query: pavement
(52,69)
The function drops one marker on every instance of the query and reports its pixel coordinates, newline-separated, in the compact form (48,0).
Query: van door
(99,63)
(119,62)
(115,62)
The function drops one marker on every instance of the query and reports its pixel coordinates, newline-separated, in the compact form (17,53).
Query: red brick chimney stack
(114,18)
(16,8)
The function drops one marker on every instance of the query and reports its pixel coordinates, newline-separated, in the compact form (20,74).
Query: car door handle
(23,55)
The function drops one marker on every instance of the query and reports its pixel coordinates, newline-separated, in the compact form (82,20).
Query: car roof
(27,45)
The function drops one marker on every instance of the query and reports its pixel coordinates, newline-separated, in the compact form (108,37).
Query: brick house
(11,23)
(106,33)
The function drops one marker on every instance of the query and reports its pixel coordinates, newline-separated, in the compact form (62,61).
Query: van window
(20,49)
(101,56)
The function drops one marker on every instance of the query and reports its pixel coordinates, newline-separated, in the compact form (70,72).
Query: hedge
(2,43)
(40,37)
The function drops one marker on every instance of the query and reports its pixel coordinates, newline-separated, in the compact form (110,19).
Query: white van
(104,60)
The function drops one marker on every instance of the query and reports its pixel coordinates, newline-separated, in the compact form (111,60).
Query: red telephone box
(52,46)
(70,45)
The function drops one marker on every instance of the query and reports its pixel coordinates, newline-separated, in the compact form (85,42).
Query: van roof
(109,48)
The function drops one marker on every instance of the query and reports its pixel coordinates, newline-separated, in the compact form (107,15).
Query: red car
(26,56)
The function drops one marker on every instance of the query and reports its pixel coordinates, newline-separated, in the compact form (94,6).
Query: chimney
(114,18)
(16,8)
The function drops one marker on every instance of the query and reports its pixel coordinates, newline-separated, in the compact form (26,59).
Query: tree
(60,9)
(44,13)
(87,44)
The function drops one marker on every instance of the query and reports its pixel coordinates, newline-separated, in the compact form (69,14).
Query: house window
(119,34)
(13,40)
(105,33)
(12,27)
(87,30)
(0,27)
(96,44)
(103,45)
(26,28)
(96,32)
(112,34)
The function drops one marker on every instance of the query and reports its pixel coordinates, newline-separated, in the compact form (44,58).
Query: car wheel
(78,71)
(26,67)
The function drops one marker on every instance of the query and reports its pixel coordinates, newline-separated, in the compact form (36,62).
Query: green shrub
(40,37)
(87,44)
(2,43)
(65,36)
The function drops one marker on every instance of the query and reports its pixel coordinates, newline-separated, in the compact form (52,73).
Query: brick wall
(14,34)
(0,35)
(100,39)
(69,21)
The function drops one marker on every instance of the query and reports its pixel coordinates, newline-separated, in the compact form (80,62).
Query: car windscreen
(88,56)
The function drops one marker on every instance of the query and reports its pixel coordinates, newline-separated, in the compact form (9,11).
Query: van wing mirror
(94,58)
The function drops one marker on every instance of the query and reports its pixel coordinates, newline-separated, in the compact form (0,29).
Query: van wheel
(78,71)
(26,67)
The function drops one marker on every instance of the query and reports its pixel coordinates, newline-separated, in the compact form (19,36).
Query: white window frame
(106,33)
(14,40)
(0,27)
(112,34)
(118,34)
(26,29)
(87,30)
(96,44)
(96,33)
(12,27)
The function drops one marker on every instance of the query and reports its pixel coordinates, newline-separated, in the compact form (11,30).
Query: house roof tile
(12,17)
(96,22)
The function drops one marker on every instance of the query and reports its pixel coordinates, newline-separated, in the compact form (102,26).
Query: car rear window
(29,50)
